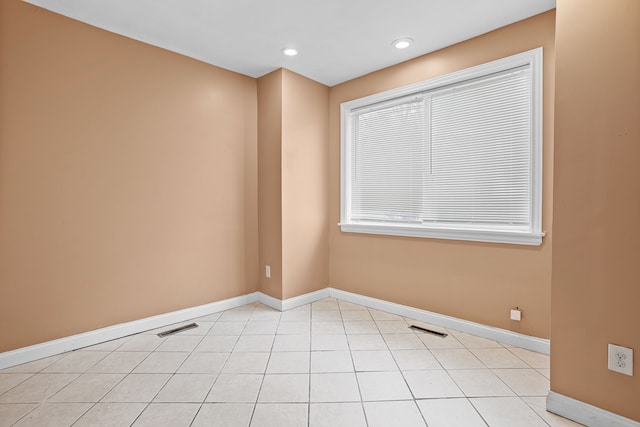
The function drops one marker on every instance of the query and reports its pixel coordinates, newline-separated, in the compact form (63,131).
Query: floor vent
(176,330)
(429,331)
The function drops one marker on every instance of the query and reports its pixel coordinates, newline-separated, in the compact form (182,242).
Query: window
(455,157)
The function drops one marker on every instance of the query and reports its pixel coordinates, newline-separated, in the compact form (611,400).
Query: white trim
(303,299)
(85,339)
(289,303)
(531,236)
(539,345)
(584,413)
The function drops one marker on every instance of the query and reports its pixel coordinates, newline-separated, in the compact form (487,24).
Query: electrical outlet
(621,359)
(516,314)
(267,271)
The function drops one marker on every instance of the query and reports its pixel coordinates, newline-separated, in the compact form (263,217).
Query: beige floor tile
(37,388)
(373,360)
(383,315)
(415,360)
(161,362)
(217,343)
(507,412)
(457,359)
(142,342)
(325,316)
(539,405)
(436,342)
(325,305)
(289,362)
(119,362)
(54,415)
(254,343)
(10,380)
(525,382)
(545,373)
(336,414)
(76,362)
(498,358)
(292,343)
(353,327)
(167,414)
(203,363)
(450,413)
(531,358)
(295,316)
(31,367)
(402,413)
(356,315)
(12,412)
(137,388)
(202,328)
(235,388)
(328,342)
(186,388)
(227,328)
(295,328)
(180,343)
(383,386)
(265,314)
(224,415)
(246,363)
(260,327)
(235,316)
(403,342)
(327,328)
(393,327)
(367,342)
(432,384)
(472,341)
(349,306)
(87,388)
(336,387)
(111,415)
(331,361)
(480,382)
(277,388)
(280,415)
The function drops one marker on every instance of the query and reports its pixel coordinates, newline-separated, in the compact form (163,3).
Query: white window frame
(532,236)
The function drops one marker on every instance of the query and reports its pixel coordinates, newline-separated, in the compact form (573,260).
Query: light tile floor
(330,363)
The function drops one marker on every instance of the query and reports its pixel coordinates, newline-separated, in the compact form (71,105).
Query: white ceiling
(338,40)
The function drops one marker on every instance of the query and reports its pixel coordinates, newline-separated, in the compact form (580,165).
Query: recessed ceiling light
(402,43)
(289,51)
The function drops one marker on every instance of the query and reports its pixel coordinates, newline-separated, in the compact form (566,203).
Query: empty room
(319,213)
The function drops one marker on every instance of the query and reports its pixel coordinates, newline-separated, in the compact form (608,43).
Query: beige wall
(270,181)
(474,281)
(596,273)
(305,179)
(128,182)
(293,184)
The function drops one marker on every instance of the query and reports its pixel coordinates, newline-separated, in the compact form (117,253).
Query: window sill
(490,236)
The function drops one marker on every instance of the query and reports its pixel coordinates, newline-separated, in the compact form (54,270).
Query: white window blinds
(459,155)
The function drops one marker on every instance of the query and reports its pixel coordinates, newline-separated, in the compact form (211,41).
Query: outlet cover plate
(620,359)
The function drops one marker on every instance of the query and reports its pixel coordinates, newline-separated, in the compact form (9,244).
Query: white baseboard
(539,345)
(586,414)
(85,339)
(74,342)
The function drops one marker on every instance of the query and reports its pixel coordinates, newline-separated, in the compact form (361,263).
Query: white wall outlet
(267,271)
(621,359)
(516,314)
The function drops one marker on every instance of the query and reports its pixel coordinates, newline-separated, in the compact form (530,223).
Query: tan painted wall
(128,182)
(270,181)
(474,281)
(305,179)
(596,273)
